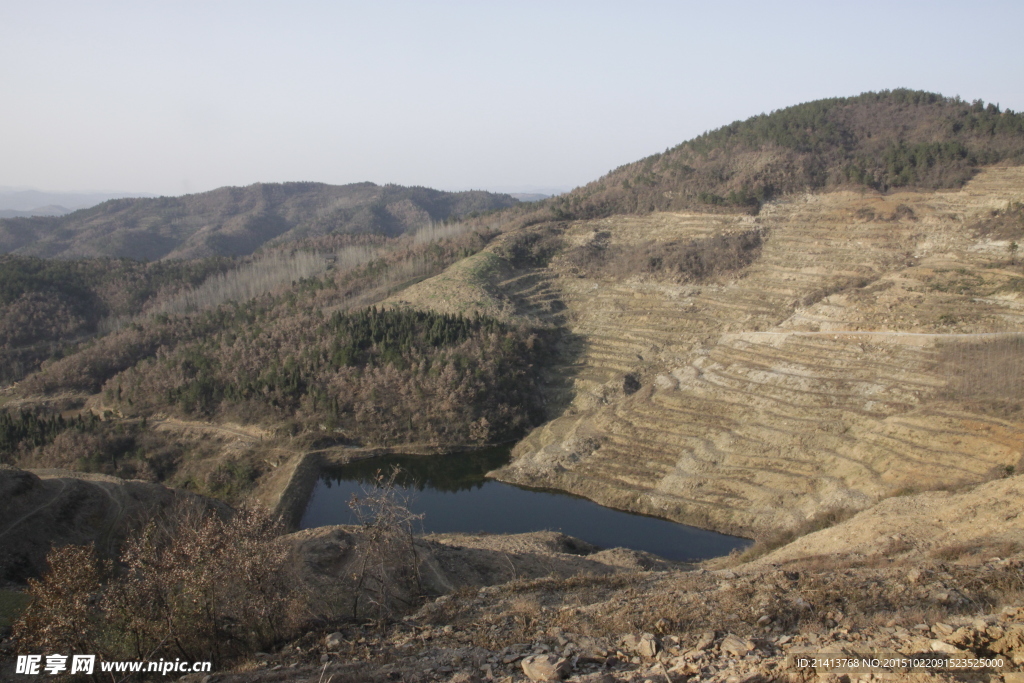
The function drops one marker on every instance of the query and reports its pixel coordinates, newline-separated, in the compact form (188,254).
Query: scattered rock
(545,667)
(736,646)
(334,640)
(648,646)
(1011,644)
(706,640)
(940,646)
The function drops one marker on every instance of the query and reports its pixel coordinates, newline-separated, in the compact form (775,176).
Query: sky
(181,97)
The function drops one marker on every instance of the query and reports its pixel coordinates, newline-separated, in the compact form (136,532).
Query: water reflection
(453,495)
(451,472)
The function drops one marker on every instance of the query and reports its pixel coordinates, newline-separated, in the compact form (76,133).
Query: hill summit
(889,139)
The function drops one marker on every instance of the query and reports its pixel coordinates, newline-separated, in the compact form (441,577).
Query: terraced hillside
(834,370)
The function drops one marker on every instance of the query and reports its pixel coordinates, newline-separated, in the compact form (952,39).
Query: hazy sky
(174,96)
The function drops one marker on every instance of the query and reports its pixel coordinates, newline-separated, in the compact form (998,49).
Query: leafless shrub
(190,585)
(533,247)
(956,551)
(387,574)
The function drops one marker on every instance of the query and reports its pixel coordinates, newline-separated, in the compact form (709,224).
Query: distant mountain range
(49,210)
(235,221)
(529,196)
(20,202)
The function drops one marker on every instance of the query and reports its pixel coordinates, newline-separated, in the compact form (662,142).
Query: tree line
(375,376)
(34,428)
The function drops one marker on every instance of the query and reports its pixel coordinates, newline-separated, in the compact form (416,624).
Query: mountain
(885,140)
(813,337)
(235,221)
(38,201)
(530,196)
(48,210)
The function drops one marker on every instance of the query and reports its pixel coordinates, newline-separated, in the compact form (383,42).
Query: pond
(452,494)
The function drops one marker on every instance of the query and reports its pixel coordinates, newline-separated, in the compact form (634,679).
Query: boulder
(736,646)
(545,667)
(647,646)
(706,640)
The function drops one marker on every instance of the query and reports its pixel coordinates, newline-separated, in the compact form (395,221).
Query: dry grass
(986,376)
(978,548)
(823,520)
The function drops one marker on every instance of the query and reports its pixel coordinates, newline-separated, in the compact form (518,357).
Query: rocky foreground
(731,625)
(937,574)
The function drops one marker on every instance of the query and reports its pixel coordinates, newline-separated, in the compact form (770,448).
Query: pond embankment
(451,493)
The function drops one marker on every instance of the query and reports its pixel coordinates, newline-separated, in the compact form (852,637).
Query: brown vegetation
(198,588)
(387,571)
(682,261)
(375,376)
(1005,224)
(46,307)
(986,376)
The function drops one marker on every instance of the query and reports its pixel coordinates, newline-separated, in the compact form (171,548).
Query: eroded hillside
(868,349)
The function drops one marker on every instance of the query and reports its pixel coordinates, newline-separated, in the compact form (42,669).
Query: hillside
(885,140)
(49,306)
(235,221)
(750,373)
(741,372)
(832,364)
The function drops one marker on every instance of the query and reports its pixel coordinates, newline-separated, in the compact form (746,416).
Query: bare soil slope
(824,375)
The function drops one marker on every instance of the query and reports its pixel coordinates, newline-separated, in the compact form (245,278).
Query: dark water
(453,495)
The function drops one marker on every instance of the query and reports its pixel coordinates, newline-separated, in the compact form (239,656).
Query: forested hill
(884,140)
(235,221)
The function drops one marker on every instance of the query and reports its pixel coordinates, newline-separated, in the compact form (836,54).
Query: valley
(805,329)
